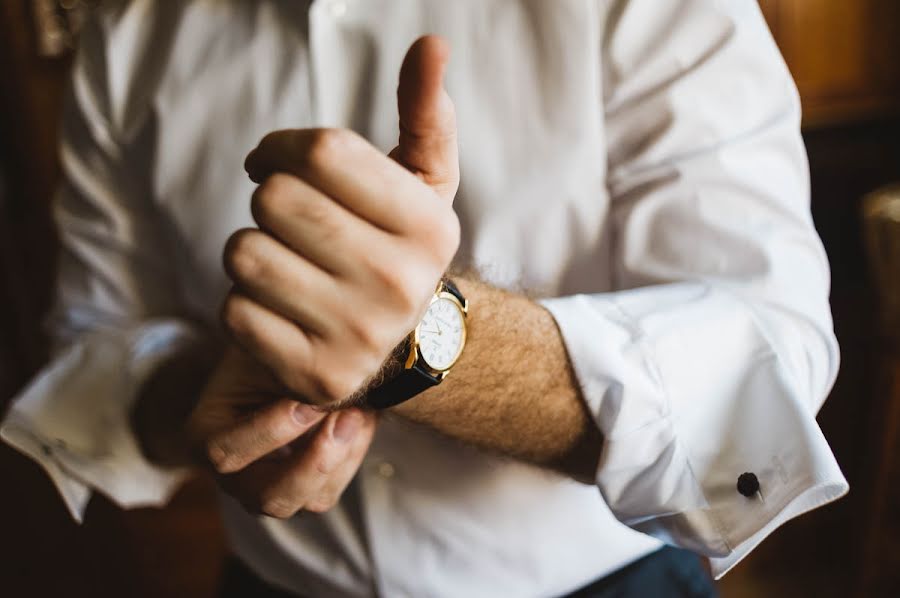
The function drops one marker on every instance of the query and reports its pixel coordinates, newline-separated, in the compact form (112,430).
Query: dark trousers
(666,573)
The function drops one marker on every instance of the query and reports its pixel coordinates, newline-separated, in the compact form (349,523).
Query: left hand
(351,243)
(273,454)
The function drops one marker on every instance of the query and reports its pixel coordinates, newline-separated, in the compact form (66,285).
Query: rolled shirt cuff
(74,417)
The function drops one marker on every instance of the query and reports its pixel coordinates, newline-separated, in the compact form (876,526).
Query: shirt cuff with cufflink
(689,396)
(74,417)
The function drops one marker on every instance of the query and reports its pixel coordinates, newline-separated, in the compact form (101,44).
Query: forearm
(513,390)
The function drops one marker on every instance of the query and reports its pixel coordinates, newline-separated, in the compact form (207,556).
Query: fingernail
(305,414)
(347,425)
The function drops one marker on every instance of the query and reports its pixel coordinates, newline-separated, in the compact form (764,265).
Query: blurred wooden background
(846,60)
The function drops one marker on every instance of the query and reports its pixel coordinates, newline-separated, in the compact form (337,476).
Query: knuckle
(243,255)
(235,316)
(322,216)
(324,465)
(395,284)
(221,460)
(369,335)
(277,506)
(316,212)
(326,146)
(268,200)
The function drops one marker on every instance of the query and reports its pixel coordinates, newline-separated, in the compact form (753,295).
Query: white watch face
(441,334)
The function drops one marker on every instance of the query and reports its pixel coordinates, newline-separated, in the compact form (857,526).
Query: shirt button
(385,470)
(338,8)
(748,484)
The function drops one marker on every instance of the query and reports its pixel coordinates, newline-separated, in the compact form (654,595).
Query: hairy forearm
(513,391)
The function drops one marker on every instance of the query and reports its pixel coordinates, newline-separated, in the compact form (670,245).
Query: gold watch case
(413,357)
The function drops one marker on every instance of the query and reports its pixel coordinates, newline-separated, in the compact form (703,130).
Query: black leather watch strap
(453,290)
(405,386)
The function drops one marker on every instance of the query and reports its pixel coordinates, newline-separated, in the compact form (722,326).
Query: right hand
(351,243)
(274,454)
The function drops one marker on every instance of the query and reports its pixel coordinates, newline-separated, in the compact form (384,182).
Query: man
(600,225)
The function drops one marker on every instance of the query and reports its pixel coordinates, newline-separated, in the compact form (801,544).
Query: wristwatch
(434,348)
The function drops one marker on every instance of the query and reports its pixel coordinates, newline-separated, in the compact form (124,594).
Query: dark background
(845,56)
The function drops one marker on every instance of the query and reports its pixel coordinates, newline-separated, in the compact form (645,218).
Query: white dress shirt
(636,164)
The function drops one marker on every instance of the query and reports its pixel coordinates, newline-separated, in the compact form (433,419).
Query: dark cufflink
(748,484)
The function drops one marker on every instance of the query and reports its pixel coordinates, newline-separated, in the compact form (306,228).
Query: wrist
(390,369)
(165,401)
(430,351)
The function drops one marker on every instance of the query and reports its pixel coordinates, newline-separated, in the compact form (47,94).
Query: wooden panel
(843,55)
(29,107)
(824,42)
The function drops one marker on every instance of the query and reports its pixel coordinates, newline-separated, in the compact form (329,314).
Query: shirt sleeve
(715,350)
(116,313)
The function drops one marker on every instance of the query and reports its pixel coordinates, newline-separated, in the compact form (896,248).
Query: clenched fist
(351,243)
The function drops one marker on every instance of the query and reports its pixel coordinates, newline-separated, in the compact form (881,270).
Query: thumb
(427,143)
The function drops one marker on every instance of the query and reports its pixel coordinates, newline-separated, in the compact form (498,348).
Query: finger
(312,224)
(262,432)
(279,344)
(302,483)
(345,167)
(248,486)
(281,280)
(428,141)
(281,489)
(333,488)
